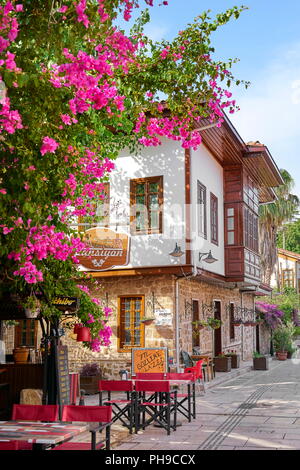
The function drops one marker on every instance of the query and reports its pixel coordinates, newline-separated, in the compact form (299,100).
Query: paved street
(257,410)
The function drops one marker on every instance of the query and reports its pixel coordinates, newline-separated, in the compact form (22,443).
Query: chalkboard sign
(63,381)
(149,360)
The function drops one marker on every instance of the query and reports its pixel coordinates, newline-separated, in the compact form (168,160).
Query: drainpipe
(177,327)
(242,338)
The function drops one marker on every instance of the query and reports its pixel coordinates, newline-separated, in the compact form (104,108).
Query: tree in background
(271,218)
(75,90)
(288,237)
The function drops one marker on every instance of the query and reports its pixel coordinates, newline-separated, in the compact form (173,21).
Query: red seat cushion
(25,445)
(118,401)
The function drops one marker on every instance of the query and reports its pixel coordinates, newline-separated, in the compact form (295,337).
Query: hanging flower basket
(32,307)
(147,321)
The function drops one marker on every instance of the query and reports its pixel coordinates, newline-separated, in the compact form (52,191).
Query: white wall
(166,160)
(209,172)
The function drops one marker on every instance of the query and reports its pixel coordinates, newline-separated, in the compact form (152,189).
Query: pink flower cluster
(103,339)
(41,243)
(10,120)
(49,145)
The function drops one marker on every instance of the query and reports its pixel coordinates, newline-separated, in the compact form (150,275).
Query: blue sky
(266,39)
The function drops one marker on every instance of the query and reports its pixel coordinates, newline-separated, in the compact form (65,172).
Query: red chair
(121,409)
(159,411)
(48,413)
(150,375)
(188,398)
(88,414)
(9,445)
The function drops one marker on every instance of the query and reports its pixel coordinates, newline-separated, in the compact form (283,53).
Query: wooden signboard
(105,249)
(62,370)
(149,360)
(66,303)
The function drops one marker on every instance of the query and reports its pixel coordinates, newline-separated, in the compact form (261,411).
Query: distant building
(287,271)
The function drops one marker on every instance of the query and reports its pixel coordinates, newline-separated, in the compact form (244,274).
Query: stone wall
(112,361)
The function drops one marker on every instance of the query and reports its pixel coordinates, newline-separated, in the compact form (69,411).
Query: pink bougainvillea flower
(49,145)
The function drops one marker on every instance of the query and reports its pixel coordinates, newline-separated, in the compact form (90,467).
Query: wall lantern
(209,259)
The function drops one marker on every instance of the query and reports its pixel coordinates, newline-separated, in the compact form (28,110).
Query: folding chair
(150,375)
(159,411)
(185,400)
(88,414)
(9,445)
(124,413)
(47,413)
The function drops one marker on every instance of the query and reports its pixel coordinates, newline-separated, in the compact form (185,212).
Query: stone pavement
(255,410)
(241,410)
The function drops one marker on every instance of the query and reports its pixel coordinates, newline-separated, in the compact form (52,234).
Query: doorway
(218,331)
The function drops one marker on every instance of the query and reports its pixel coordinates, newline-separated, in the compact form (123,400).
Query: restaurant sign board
(66,303)
(149,360)
(105,249)
(62,371)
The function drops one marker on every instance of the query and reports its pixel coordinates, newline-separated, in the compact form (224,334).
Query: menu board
(149,360)
(63,381)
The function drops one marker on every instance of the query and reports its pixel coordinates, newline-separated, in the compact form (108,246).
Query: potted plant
(222,363)
(237,322)
(147,320)
(282,339)
(90,374)
(199,325)
(235,359)
(260,362)
(32,306)
(214,323)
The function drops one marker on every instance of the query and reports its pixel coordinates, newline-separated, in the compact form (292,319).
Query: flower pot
(77,327)
(260,363)
(222,364)
(235,361)
(147,322)
(281,355)
(237,324)
(84,334)
(90,384)
(32,313)
(21,355)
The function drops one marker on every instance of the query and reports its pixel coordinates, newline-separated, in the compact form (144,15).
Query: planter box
(235,361)
(90,384)
(222,364)
(260,363)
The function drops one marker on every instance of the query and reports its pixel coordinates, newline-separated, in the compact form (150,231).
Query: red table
(40,435)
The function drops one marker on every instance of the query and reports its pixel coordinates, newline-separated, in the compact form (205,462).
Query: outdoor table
(40,435)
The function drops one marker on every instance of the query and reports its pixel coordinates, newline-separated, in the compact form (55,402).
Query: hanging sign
(149,360)
(66,303)
(105,249)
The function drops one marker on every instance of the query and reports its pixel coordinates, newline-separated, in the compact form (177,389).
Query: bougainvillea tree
(75,89)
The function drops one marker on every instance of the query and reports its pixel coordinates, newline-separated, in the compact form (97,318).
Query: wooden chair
(88,414)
